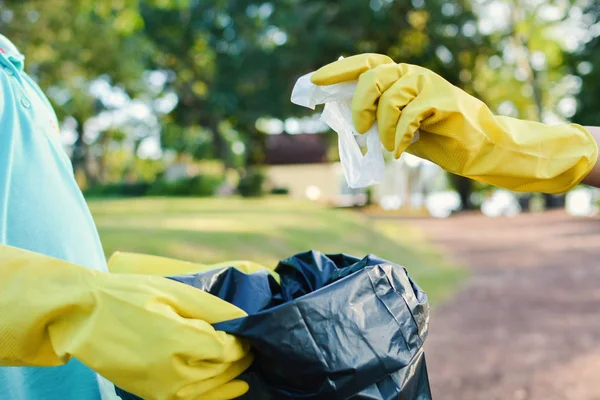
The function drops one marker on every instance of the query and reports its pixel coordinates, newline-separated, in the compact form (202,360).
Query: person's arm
(150,336)
(593,178)
(459,132)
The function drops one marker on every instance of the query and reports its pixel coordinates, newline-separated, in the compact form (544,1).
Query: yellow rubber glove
(457,131)
(149,335)
(145,264)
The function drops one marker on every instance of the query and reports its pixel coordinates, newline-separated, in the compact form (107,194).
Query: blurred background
(177,119)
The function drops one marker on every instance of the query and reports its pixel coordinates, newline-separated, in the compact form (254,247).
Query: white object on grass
(501,203)
(580,203)
(442,204)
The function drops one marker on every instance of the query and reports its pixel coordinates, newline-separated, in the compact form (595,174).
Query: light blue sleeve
(43,210)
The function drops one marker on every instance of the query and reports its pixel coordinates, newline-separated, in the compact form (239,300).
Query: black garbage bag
(336,327)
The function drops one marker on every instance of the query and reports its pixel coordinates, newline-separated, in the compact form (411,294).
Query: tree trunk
(464,188)
(255,153)
(553,201)
(524,62)
(102,159)
(80,156)
(222,147)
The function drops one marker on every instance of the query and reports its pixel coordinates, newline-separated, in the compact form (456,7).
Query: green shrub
(280,191)
(167,188)
(251,184)
(121,189)
(135,189)
(198,186)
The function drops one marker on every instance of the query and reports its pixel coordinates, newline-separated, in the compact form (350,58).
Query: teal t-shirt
(42,210)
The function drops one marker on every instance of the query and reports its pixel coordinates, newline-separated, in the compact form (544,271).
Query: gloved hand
(149,335)
(146,264)
(457,131)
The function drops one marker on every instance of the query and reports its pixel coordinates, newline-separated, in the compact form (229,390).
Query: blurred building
(300,164)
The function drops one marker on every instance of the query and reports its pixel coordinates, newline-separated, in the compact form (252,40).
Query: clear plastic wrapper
(359,170)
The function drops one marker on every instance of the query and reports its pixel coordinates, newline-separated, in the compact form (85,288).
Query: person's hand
(457,131)
(148,335)
(146,264)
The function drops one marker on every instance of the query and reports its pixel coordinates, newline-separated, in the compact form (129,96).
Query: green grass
(264,231)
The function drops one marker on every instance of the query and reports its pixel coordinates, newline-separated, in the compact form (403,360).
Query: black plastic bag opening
(336,327)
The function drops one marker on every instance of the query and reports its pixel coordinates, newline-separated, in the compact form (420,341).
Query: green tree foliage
(69,43)
(528,76)
(586,64)
(236,61)
(230,63)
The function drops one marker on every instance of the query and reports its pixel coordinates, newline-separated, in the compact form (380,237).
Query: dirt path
(526,324)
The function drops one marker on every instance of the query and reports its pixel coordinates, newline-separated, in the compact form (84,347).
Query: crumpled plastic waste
(359,170)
